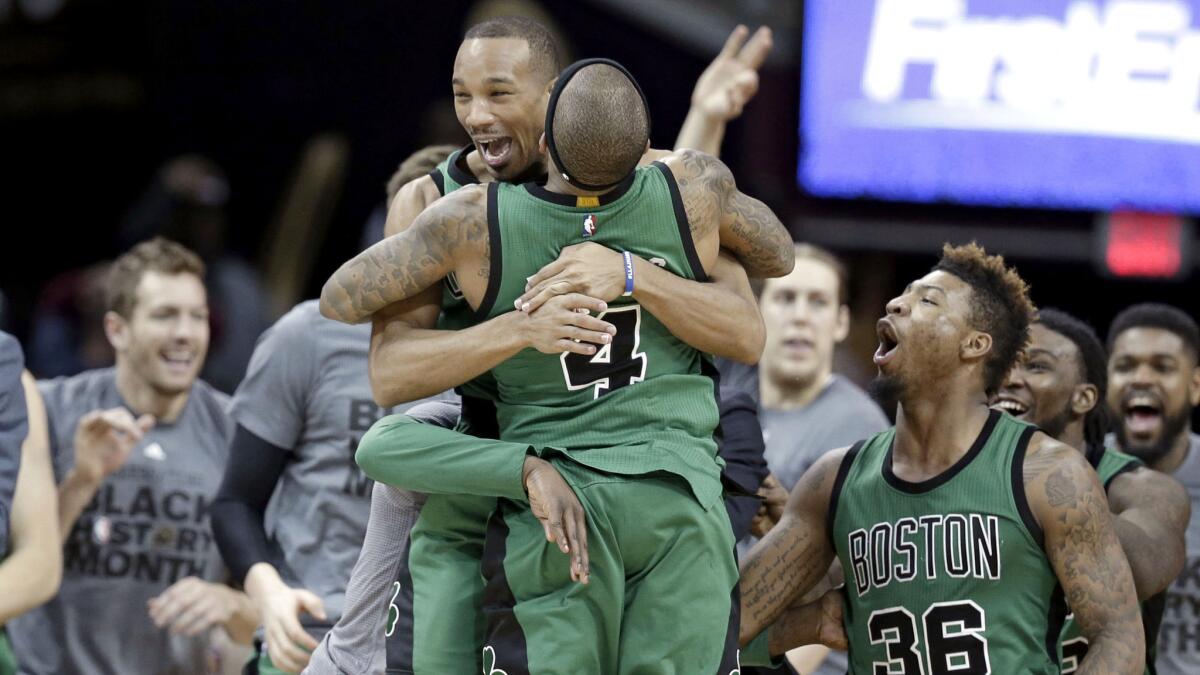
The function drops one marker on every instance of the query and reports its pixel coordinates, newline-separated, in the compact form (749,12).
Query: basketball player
(1154,386)
(961,530)
(143,487)
(596,135)
(501,64)
(1060,384)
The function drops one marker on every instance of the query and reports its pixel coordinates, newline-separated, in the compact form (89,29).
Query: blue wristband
(628,273)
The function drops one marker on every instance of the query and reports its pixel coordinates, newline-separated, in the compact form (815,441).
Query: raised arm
(794,555)
(747,228)
(1068,502)
(724,88)
(450,234)
(1150,515)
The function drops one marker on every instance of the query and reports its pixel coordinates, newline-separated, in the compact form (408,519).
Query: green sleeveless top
(947,575)
(647,401)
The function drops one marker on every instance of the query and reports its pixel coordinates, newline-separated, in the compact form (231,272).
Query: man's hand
(731,80)
(771,510)
(279,607)
(589,268)
(104,439)
(564,324)
(554,503)
(817,622)
(192,606)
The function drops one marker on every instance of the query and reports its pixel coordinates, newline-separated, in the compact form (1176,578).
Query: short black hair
(1094,364)
(1002,307)
(1157,315)
(601,125)
(544,55)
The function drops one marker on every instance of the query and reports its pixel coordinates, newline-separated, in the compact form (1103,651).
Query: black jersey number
(954,643)
(614,365)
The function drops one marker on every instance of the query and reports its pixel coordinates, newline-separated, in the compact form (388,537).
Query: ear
(116,329)
(1194,388)
(1084,398)
(842,328)
(977,345)
(542,143)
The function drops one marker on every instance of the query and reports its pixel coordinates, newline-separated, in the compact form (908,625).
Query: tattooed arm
(448,236)
(1150,514)
(744,226)
(1068,502)
(794,555)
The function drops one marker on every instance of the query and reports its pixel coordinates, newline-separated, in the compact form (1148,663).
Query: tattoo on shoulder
(1060,489)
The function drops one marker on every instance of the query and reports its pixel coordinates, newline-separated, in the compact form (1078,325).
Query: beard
(1172,427)
(888,391)
(1055,426)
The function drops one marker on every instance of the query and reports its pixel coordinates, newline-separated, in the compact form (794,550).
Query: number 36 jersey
(644,403)
(946,576)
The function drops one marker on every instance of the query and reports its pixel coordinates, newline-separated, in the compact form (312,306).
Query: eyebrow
(1038,351)
(925,287)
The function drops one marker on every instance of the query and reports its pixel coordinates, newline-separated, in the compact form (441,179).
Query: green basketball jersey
(1109,464)
(644,403)
(947,575)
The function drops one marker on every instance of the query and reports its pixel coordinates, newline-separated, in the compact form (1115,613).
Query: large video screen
(1076,104)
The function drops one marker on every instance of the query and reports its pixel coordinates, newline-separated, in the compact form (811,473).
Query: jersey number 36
(953,640)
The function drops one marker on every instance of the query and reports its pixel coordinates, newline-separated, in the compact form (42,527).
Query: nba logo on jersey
(589,225)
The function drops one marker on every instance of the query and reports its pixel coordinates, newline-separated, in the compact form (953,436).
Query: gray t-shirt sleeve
(14,426)
(272,399)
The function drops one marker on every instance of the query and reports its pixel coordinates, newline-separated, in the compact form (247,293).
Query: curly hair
(1001,306)
(1093,361)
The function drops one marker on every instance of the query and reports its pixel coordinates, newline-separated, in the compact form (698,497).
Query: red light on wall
(1146,245)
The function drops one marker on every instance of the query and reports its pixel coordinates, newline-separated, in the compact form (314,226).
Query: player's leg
(682,572)
(557,627)
(447,545)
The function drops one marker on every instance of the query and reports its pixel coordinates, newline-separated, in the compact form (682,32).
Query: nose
(1015,379)
(1143,375)
(479,115)
(897,306)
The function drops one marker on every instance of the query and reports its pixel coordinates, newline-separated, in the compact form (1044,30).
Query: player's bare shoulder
(409,202)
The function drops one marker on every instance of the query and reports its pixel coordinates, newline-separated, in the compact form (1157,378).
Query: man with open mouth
(1060,384)
(1154,384)
(961,529)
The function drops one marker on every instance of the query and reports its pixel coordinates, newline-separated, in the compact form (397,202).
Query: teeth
(1011,406)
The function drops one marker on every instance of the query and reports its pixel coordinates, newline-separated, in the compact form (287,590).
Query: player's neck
(784,394)
(1169,462)
(937,427)
(139,395)
(1073,436)
(556,183)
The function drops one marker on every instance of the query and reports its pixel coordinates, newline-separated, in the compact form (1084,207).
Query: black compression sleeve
(237,512)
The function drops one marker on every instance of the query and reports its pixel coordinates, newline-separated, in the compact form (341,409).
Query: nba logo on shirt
(589,225)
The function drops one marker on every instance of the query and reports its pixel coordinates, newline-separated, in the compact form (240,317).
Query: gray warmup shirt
(1179,636)
(146,528)
(357,644)
(307,390)
(14,426)
(840,415)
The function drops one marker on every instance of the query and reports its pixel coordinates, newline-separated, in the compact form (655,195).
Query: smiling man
(960,530)
(138,451)
(1060,384)
(1154,383)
